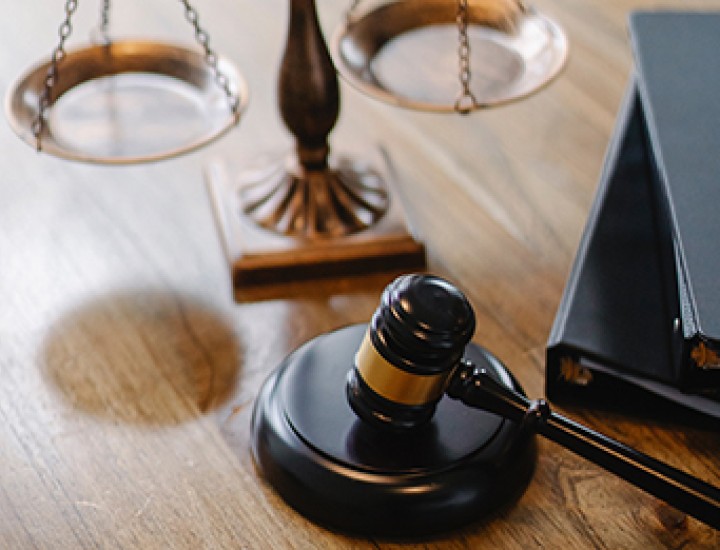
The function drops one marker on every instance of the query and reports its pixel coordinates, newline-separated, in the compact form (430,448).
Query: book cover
(612,339)
(678,70)
(641,309)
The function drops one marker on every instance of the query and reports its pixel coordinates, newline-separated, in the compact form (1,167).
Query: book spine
(563,370)
(668,257)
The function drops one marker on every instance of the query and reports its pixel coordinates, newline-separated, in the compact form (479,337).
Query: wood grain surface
(128,372)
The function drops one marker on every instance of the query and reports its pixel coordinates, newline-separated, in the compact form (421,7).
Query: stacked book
(641,307)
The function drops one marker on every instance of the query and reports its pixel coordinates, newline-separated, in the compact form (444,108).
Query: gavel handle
(476,388)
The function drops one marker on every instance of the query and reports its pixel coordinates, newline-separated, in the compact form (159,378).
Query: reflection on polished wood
(129,373)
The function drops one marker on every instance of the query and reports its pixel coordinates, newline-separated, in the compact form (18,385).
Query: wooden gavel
(404,367)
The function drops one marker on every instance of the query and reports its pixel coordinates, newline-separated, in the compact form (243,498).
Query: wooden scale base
(464,465)
(260,256)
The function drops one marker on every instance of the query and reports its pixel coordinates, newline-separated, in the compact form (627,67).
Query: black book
(641,307)
(678,67)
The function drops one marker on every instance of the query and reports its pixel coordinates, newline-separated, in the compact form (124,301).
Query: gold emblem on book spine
(704,357)
(573,372)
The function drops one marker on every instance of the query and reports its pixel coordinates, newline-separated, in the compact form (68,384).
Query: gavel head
(416,338)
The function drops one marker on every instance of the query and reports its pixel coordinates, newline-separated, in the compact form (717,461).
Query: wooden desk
(128,373)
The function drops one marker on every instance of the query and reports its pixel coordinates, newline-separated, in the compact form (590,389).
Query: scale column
(308,91)
(313,214)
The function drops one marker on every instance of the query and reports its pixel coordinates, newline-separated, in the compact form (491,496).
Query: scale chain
(466,101)
(58,55)
(211,57)
(104,26)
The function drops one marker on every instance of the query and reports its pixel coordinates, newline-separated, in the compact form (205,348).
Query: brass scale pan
(126,102)
(403,52)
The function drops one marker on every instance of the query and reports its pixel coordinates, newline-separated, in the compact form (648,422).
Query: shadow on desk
(143,357)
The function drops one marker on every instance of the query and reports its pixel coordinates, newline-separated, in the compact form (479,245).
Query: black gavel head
(416,338)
